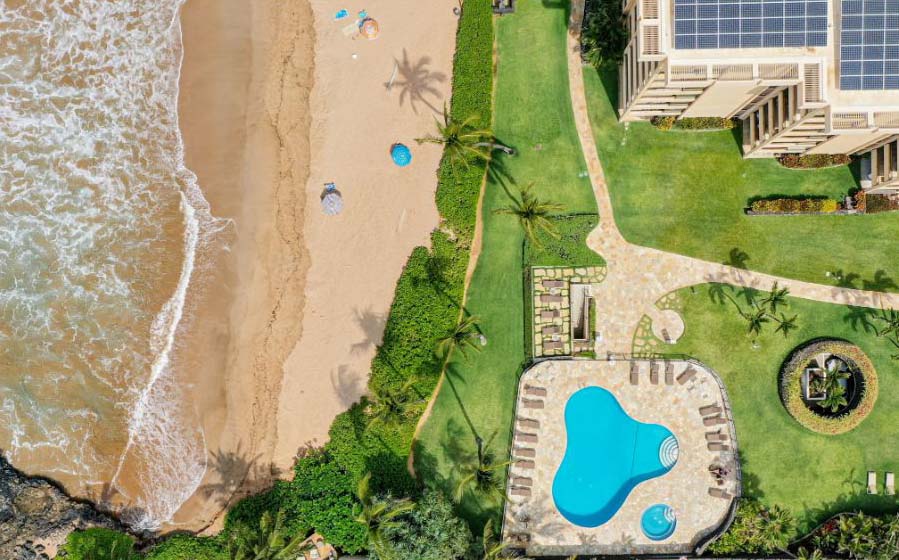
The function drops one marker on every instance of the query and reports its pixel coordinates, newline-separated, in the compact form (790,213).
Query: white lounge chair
(890,484)
(872,482)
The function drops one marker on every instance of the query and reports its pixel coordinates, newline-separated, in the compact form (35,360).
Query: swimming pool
(608,455)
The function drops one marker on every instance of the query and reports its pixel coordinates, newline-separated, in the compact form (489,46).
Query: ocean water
(103,238)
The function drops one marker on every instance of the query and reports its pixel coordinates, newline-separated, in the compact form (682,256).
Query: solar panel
(727,24)
(869,45)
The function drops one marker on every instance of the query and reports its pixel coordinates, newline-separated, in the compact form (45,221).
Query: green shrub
(756,529)
(99,544)
(604,34)
(875,203)
(692,123)
(791,387)
(859,536)
(429,532)
(187,547)
(796,206)
(813,161)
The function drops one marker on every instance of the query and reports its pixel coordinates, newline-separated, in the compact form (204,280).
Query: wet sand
(244,115)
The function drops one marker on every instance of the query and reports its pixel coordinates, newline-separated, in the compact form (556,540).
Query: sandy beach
(300,300)
(356,257)
(245,85)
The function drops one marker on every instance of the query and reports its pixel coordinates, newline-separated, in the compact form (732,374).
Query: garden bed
(693,124)
(861,387)
(813,161)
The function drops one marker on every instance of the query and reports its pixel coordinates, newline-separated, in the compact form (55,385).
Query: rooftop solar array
(869,45)
(728,24)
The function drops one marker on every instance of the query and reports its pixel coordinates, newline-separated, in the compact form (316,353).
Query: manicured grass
(812,475)
(685,192)
(533,114)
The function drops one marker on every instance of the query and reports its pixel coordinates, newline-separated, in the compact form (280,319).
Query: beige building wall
(786,98)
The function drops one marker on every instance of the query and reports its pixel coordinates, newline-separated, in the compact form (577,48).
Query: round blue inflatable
(401,155)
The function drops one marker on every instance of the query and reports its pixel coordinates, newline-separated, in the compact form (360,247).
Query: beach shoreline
(289,327)
(243,106)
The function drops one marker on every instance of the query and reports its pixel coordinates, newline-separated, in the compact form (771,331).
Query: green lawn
(812,475)
(533,114)
(685,192)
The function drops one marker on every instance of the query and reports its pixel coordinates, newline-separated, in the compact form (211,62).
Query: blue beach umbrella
(401,154)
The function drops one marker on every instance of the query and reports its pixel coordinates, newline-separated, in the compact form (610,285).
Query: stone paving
(684,488)
(551,292)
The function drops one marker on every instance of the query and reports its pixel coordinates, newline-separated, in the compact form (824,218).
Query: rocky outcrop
(36,513)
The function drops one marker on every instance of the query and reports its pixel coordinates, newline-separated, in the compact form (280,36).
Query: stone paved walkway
(639,276)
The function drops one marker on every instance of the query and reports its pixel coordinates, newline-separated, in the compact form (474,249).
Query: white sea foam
(95,201)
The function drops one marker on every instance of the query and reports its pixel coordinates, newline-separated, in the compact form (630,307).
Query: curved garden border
(791,391)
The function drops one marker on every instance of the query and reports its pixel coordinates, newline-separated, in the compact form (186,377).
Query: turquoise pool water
(608,454)
(658,522)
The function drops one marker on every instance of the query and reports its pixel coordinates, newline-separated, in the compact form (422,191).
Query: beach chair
(890,484)
(550,330)
(533,404)
(529,423)
(526,438)
(872,482)
(549,314)
(713,420)
(525,452)
(669,373)
(535,391)
(553,284)
(714,446)
(654,373)
(524,464)
(687,375)
(709,410)
(521,491)
(635,373)
(550,298)
(522,481)
(552,345)
(719,493)
(713,436)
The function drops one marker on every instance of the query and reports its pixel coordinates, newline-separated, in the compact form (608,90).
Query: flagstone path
(638,276)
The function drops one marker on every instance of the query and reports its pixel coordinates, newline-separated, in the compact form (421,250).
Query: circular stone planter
(861,386)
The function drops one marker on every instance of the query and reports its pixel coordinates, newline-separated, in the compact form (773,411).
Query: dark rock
(35,510)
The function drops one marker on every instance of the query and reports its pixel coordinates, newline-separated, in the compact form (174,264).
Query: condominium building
(803,76)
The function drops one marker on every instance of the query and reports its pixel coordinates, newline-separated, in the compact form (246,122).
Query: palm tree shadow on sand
(416,82)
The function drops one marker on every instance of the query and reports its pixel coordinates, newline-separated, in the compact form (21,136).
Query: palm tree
(835,393)
(494,548)
(756,320)
(465,335)
(463,142)
(378,515)
(776,297)
(268,541)
(786,324)
(389,404)
(533,214)
(482,476)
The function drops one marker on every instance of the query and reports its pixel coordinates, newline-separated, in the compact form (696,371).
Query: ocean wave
(102,234)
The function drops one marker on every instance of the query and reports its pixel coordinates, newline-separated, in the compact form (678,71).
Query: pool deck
(685,487)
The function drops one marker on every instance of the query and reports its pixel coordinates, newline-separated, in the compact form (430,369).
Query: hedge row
(693,123)
(796,206)
(791,387)
(813,161)
(875,203)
